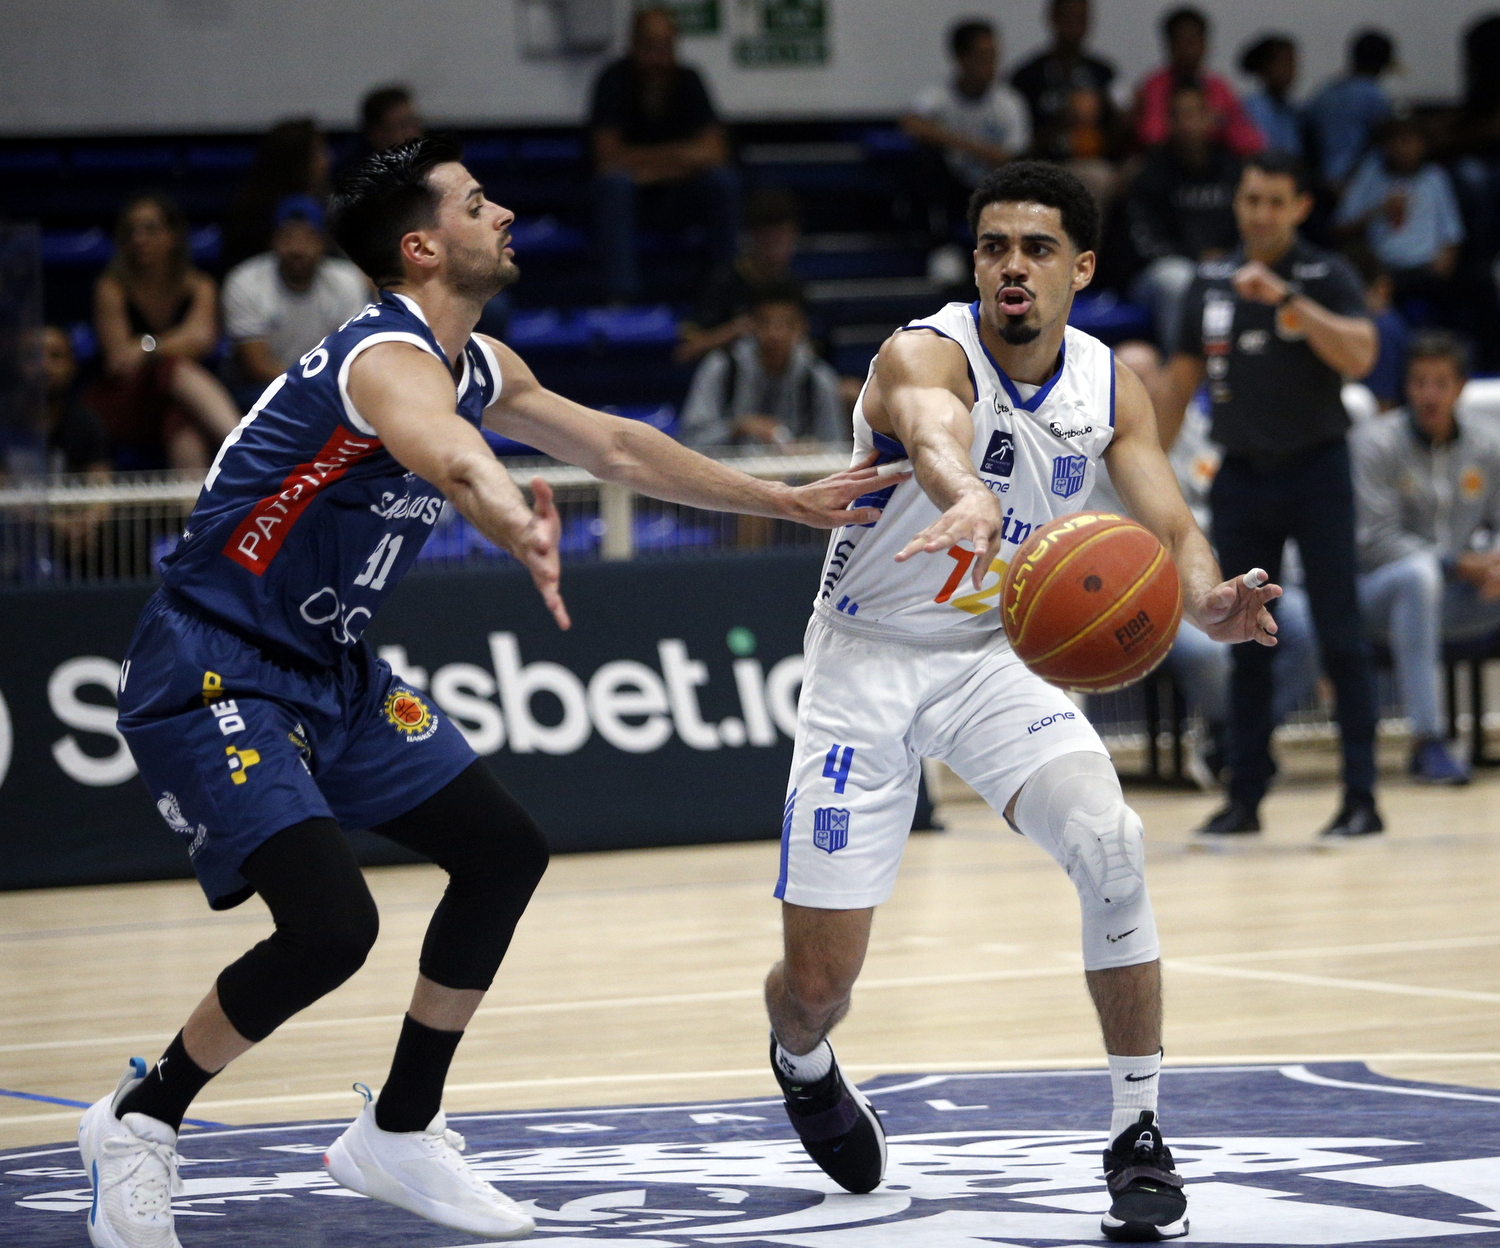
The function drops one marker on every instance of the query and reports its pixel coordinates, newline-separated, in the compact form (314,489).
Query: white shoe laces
(154,1185)
(445,1147)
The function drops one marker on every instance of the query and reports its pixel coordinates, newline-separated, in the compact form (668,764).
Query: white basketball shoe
(132,1167)
(422,1171)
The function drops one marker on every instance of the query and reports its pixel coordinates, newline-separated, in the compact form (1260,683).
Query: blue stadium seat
(546,327)
(89,248)
(124,160)
(35,160)
(219,158)
(1109,317)
(632,326)
(546,236)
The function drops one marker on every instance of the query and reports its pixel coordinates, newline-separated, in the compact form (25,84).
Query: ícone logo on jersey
(830,828)
(1000,455)
(1068,473)
(409,715)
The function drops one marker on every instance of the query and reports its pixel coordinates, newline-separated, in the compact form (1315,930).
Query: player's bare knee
(818,994)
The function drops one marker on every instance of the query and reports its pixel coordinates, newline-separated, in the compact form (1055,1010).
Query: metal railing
(73,530)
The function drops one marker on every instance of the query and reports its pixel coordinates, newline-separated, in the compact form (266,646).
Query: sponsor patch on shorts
(409,715)
(830,828)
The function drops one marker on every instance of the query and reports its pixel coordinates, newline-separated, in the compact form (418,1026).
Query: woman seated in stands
(156,317)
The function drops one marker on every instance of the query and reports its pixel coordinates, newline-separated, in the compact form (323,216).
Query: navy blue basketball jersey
(306,522)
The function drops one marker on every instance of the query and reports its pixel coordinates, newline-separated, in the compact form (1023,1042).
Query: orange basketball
(1091,602)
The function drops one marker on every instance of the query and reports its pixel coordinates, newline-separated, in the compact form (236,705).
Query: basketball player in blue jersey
(263,724)
(1005,413)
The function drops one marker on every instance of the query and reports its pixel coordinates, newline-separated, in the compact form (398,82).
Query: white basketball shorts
(870,710)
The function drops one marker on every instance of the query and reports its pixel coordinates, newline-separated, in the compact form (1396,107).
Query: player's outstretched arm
(921,396)
(408,398)
(1225,610)
(633,454)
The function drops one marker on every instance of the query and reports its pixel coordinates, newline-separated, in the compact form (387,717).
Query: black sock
(413,1091)
(168,1088)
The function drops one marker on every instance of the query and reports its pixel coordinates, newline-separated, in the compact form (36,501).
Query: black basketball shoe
(838,1127)
(1148,1203)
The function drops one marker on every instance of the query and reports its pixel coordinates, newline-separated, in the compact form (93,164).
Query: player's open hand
(536,547)
(1236,610)
(975,518)
(825,503)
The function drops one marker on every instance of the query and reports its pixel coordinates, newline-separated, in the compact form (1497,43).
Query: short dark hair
(385,196)
(1258,55)
(785,290)
(1439,344)
(1178,16)
(1039,182)
(771,206)
(965,33)
(380,101)
(1277,164)
(1371,52)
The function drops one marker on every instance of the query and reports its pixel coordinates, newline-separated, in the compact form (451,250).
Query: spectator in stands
(1181,208)
(657,139)
(70,437)
(1051,80)
(1427,485)
(768,387)
(1403,205)
(773,225)
(278,306)
(291,160)
(155,315)
(1273,60)
(1186,34)
(1343,117)
(1386,379)
(387,116)
(977,121)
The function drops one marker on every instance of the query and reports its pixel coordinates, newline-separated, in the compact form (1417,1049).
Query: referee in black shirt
(1276,329)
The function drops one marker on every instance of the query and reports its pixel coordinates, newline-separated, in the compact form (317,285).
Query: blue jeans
(1201,666)
(711,198)
(1407,605)
(1256,508)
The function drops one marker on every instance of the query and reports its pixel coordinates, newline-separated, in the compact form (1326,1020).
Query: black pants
(325,917)
(1255,510)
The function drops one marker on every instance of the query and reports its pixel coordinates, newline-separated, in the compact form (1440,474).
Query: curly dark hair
(385,196)
(1039,182)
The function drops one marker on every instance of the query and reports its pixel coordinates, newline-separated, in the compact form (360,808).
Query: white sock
(809,1067)
(1135,1082)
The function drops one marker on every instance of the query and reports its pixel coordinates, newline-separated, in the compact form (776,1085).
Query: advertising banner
(664,717)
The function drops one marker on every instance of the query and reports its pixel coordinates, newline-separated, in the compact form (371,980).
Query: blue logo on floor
(1279,1154)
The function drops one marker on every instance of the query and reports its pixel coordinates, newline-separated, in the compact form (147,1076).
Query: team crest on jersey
(830,828)
(409,715)
(1067,474)
(1000,455)
(171,811)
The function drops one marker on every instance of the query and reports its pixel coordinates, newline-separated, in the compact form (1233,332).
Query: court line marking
(1012,1069)
(1302,1075)
(1328,981)
(1019,1068)
(1204,964)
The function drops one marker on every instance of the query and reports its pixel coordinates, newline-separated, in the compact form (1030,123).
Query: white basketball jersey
(1037,448)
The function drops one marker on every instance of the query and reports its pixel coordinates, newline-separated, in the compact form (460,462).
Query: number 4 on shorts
(838,770)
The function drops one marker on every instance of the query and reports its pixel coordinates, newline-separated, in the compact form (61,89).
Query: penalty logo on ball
(409,715)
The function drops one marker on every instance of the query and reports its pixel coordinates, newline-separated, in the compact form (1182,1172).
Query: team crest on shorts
(1067,474)
(830,828)
(409,715)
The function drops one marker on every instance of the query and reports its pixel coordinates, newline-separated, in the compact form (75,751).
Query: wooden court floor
(635,976)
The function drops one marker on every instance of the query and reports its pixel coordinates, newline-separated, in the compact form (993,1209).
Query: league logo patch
(409,715)
(1067,474)
(1000,455)
(830,828)
(171,811)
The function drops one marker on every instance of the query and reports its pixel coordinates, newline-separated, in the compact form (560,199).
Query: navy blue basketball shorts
(237,743)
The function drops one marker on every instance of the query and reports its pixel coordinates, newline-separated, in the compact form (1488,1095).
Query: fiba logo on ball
(409,715)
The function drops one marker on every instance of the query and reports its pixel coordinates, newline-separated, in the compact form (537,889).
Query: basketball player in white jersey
(1004,413)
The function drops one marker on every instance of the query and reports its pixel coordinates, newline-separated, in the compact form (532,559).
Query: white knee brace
(1073,808)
